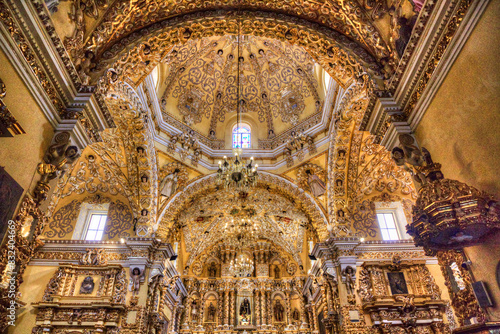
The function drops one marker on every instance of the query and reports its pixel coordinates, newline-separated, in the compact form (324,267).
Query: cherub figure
(136,276)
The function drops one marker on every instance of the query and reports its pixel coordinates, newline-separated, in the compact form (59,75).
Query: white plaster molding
(9,47)
(448,59)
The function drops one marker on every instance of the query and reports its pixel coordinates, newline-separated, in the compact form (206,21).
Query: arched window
(241,136)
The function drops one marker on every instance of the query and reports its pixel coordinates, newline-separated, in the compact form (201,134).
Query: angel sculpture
(136,275)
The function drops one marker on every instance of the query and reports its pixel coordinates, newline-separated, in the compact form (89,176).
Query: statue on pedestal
(211,312)
(278,311)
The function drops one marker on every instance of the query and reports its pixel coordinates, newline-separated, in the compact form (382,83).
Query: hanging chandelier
(241,233)
(237,172)
(242,266)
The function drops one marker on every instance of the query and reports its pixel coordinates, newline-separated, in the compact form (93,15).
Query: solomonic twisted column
(231,308)
(226,308)
(263,308)
(303,315)
(257,308)
(202,314)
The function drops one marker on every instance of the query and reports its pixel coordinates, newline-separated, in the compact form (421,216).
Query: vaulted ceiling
(197,84)
(208,218)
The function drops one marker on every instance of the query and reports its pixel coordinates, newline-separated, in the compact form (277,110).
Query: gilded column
(226,307)
(257,308)
(329,300)
(178,317)
(263,307)
(287,308)
(231,309)
(202,313)
(314,317)
(268,307)
(303,316)
(220,312)
(187,314)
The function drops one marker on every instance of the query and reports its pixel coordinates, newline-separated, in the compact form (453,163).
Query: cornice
(46,56)
(45,50)
(424,50)
(123,250)
(210,155)
(433,56)
(460,37)
(18,62)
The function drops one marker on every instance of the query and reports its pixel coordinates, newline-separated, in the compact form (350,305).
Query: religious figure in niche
(87,285)
(349,279)
(245,308)
(168,185)
(212,270)
(211,312)
(317,186)
(136,275)
(278,311)
(194,311)
(340,162)
(276,272)
(140,151)
(295,314)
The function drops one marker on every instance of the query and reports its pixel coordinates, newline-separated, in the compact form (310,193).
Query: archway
(170,210)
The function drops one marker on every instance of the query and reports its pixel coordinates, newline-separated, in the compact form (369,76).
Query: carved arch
(347,18)
(140,52)
(170,211)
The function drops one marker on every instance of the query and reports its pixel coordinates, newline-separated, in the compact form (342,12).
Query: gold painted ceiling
(205,221)
(278,84)
(121,18)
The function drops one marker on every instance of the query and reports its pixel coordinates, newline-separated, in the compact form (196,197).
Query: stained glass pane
(241,137)
(245,140)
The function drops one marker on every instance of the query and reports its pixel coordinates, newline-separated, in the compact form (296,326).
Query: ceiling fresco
(278,83)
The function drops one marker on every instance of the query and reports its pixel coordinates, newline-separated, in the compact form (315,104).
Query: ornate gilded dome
(197,84)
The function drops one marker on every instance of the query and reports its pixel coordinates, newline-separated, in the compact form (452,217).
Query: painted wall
(485,260)
(35,281)
(461,127)
(21,154)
